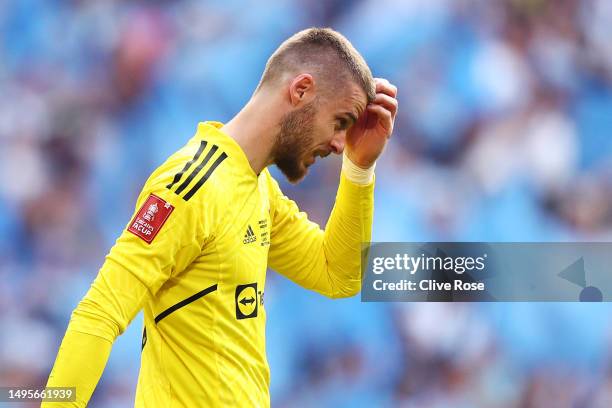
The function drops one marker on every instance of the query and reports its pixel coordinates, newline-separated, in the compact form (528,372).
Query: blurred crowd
(504,134)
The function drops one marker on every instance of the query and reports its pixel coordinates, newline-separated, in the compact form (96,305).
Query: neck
(254,128)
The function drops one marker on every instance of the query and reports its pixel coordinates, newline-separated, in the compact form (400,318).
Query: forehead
(350,98)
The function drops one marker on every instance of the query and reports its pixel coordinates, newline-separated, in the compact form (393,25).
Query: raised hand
(367,138)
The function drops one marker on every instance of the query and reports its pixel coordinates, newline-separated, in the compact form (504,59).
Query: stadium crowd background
(504,134)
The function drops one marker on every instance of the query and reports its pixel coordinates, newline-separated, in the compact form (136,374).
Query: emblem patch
(150,218)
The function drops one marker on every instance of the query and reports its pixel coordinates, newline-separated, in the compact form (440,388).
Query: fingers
(384,116)
(388,102)
(385,103)
(386,87)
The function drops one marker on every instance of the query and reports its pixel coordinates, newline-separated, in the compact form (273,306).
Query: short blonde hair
(324,51)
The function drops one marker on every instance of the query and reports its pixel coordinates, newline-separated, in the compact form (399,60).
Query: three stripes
(178,176)
(249,232)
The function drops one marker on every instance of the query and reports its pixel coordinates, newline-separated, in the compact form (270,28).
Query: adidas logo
(249,236)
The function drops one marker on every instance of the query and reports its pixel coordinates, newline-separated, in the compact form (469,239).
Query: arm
(93,327)
(329,261)
(133,271)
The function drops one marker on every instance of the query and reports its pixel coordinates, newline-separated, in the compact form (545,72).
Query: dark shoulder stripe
(178,175)
(195,171)
(205,177)
(185,302)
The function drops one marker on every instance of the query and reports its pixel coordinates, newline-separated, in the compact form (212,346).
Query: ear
(301,89)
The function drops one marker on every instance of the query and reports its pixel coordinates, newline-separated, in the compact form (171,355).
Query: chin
(297,177)
(294,168)
(293,172)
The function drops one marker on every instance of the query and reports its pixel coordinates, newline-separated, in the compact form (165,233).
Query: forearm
(103,314)
(79,363)
(349,226)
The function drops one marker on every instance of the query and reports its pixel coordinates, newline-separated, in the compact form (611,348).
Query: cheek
(312,137)
(321,132)
(324,134)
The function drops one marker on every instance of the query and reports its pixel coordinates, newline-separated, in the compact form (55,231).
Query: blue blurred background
(504,134)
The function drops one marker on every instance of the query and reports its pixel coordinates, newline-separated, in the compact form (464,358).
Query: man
(211,219)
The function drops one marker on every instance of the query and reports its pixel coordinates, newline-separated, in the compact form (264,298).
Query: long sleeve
(87,352)
(113,300)
(164,236)
(329,261)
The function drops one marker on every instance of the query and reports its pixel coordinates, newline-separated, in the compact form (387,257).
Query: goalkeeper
(211,219)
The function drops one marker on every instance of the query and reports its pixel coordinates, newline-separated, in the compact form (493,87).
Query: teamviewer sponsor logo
(249,236)
(246,301)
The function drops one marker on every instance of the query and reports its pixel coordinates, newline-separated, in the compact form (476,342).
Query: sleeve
(329,261)
(164,236)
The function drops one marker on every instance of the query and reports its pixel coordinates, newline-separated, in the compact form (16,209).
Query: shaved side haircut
(324,53)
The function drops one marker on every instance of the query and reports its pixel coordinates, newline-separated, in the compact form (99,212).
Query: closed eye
(342,124)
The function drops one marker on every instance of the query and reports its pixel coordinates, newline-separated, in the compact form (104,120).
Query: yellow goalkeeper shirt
(194,257)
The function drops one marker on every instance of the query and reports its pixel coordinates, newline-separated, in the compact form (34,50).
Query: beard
(294,141)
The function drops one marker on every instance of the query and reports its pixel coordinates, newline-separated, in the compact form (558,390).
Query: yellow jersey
(194,256)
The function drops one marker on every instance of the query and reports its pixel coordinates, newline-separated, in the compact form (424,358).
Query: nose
(337,142)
